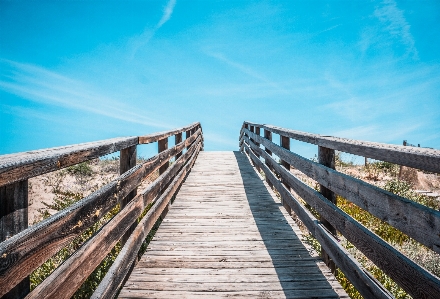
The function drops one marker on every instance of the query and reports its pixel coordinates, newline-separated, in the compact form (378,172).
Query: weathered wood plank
(405,272)
(291,294)
(67,278)
(201,232)
(326,157)
(122,265)
(14,219)
(419,221)
(21,166)
(416,157)
(361,279)
(24,252)
(127,160)
(161,135)
(162,145)
(177,140)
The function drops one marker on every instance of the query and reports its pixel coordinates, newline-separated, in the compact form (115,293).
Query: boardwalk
(226,235)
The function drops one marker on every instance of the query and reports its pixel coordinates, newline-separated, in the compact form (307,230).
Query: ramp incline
(227,235)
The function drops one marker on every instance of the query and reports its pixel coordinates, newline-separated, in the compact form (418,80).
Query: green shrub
(63,200)
(82,169)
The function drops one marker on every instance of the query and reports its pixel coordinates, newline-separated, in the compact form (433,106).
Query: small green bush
(82,169)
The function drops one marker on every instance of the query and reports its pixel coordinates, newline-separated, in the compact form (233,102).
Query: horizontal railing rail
(23,252)
(416,157)
(417,221)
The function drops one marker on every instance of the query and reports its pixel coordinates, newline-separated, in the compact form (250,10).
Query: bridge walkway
(227,235)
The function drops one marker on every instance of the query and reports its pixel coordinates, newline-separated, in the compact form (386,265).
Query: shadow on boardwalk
(297,270)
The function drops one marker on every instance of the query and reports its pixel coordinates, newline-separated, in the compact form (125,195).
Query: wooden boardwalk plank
(227,235)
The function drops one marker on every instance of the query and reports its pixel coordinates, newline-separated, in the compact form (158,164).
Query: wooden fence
(24,249)
(417,221)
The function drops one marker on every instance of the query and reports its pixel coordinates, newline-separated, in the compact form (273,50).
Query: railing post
(14,219)
(268,135)
(187,135)
(285,143)
(246,126)
(326,157)
(161,146)
(257,132)
(177,140)
(127,160)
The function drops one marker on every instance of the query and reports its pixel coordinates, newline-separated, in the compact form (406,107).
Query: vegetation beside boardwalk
(385,175)
(64,195)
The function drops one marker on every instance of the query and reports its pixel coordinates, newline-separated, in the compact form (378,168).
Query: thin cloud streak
(147,35)
(246,70)
(396,25)
(167,12)
(378,133)
(40,85)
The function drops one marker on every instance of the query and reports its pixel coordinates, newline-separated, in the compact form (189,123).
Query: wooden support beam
(127,160)
(161,146)
(268,136)
(326,157)
(187,135)
(285,143)
(177,140)
(14,219)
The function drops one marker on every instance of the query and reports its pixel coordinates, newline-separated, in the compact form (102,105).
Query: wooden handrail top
(160,135)
(416,157)
(21,166)
(24,165)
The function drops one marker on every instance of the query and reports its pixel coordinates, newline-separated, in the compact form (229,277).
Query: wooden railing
(417,221)
(23,248)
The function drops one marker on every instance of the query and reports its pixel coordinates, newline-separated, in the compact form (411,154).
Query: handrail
(21,166)
(419,222)
(27,250)
(416,157)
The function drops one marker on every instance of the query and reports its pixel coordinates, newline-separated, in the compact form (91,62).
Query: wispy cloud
(329,29)
(246,70)
(397,25)
(143,39)
(41,85)
(166,13)
(378,133)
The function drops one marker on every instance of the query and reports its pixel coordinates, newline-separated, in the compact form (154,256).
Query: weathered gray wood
(187,135)
(217,178)
(284,143)
(162,145)
(326,157)
(402,270)
(24,252)
(177,140)
(127,160)
(361,279)
(14,219)
(416,157)
(115,276)
(268,136)
(21,166)
(67,278)
(420,222)
(161,135)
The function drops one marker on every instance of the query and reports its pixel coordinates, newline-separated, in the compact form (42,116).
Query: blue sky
(79,71)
